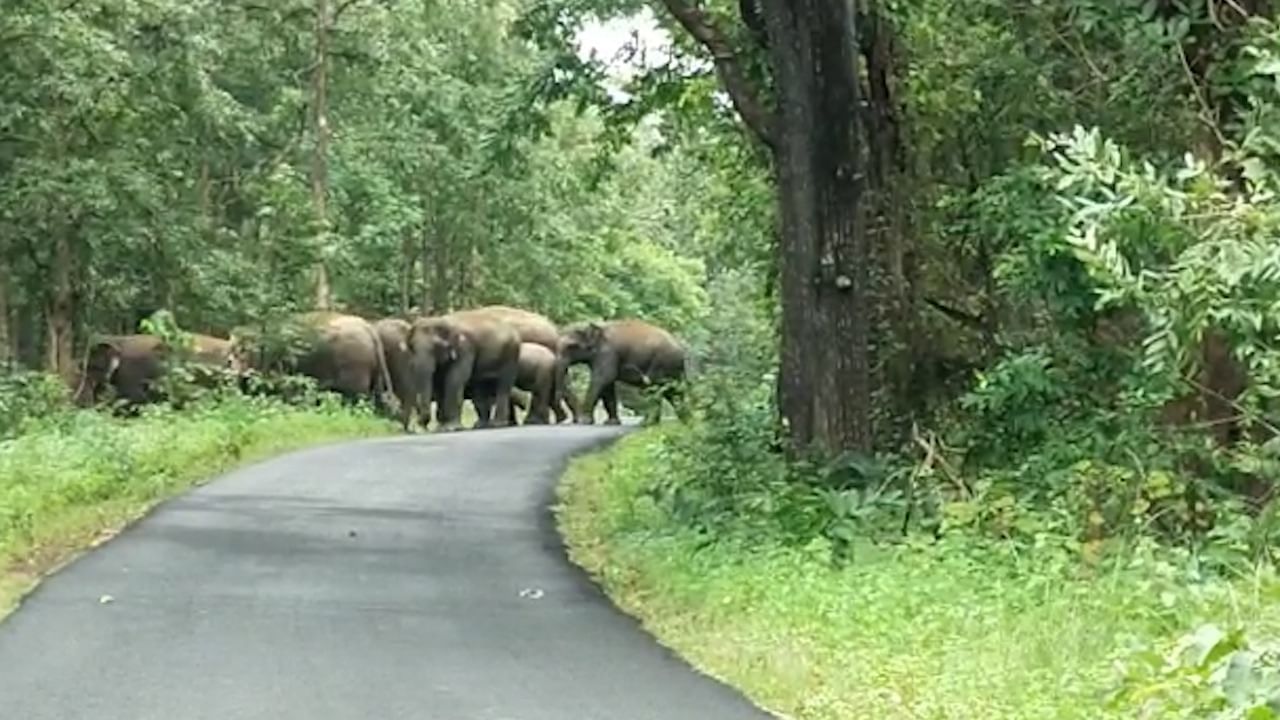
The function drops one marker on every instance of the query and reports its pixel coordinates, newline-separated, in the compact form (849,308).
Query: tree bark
(60,309)
(435,271)
(6,337)
(825,257)
(823,254)
(903,348)
(408,259)
(320,159)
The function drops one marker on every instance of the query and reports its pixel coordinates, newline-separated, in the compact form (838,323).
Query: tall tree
(811,130)
(320,159)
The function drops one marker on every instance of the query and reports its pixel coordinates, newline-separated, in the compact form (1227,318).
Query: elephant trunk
(423,369)
(560,390)
(382,386)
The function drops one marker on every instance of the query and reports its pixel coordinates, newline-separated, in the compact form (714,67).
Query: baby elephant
(537,375)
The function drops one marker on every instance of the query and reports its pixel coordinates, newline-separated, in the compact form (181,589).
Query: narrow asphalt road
(416,577)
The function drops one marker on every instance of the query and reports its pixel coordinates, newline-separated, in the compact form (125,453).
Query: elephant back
(211,350)
(531,326)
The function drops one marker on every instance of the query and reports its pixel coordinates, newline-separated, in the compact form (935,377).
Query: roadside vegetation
(71,478)
(962,627)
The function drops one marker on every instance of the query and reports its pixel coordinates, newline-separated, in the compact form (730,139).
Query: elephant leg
(482,401)
(569,401)
(610,398)
(604,372)
(539,412)
(449,414)
(406,415)
(503,410)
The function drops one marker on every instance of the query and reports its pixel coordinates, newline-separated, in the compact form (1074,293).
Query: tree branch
(761,120)
(960,316)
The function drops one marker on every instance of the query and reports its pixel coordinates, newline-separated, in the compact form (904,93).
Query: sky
(630,44)
(626,44)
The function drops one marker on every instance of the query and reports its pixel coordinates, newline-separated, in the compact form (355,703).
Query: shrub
(28,397)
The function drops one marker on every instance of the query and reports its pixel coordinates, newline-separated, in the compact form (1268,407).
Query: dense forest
(995,285)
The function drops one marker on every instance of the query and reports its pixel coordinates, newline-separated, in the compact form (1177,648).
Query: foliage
(27,398)
(171,149)
(1208,673)
(961,627)
(1191,253)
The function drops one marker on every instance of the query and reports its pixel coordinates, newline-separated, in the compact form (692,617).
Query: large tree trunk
(60,309)
(902,348)
(824,255)
(320,160)
(7,354)
(435,273)
(408,260)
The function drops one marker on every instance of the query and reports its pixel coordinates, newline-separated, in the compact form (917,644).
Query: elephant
(535,376)
(394,334)
(630,351)
(468,347)
(537,371)
(343,353)
(520,399)
(540,330)
(133,364)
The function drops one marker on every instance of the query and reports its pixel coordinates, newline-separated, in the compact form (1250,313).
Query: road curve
(415,577)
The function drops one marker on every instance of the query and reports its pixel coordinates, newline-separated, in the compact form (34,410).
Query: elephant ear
(452,338)
(594,333)
(447,337)
(105,356)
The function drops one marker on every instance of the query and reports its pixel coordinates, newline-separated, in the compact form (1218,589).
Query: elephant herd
(499,357)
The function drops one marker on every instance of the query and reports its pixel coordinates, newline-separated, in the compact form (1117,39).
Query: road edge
(555,510)
(20,578)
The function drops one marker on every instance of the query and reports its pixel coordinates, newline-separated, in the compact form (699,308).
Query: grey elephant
(629,351)
(461,349)
(540,330)
(537,375)
(520,399)
(132,365)
(394,334)
(535,384)
(343,353)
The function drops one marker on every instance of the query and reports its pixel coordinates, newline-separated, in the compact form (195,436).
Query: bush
(959,627)
(1209,673)
(28,397)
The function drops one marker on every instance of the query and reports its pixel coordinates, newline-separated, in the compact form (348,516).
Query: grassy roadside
(947,631)
(75,481)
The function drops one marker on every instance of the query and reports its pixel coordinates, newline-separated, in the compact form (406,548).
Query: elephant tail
(383,381)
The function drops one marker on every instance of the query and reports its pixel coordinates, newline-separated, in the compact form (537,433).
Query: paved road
(369,581)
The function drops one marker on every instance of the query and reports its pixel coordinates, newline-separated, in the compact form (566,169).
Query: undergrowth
(958,627)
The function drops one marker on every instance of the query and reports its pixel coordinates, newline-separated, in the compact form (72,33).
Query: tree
(198,157)
(812,133)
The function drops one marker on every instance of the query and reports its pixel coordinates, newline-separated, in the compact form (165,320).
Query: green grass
(78,478)
(949,631)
